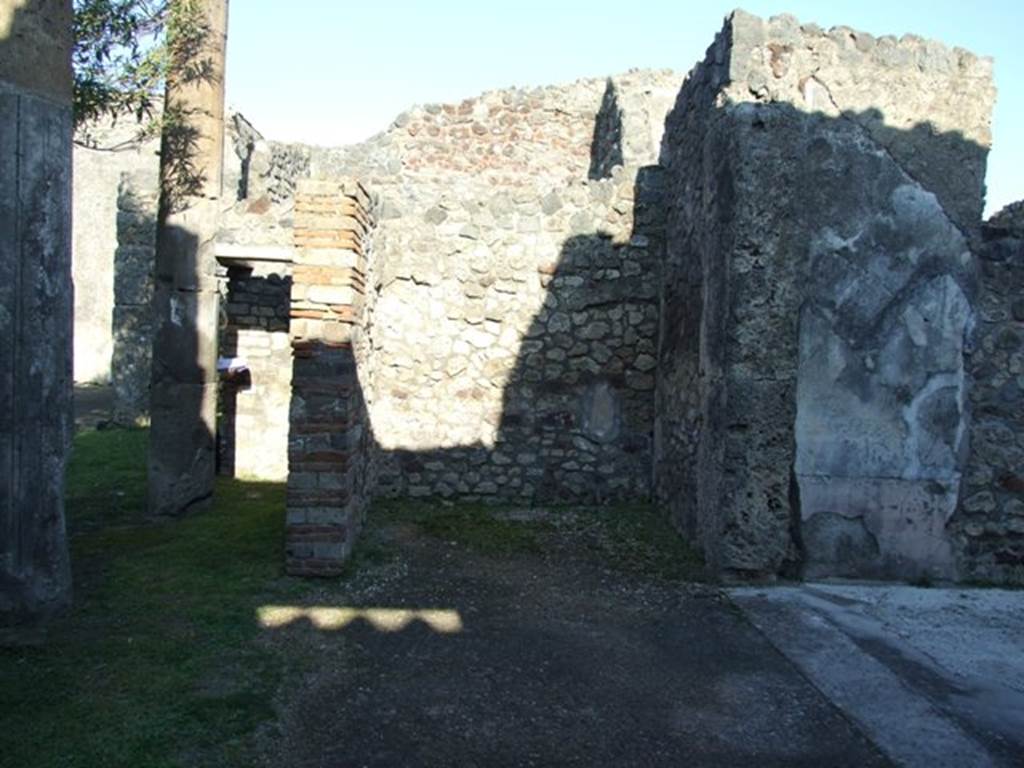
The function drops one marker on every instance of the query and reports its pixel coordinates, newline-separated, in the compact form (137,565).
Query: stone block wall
(329,442)
(115,179)
(515,323)
(824,188)
(116,191)
(252,427)
(990,524)
(513,344)
(515,308)
(131,320)
(760,310)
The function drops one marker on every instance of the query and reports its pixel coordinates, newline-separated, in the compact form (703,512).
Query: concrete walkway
(935,677)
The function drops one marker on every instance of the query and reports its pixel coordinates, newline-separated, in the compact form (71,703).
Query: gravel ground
(556,656)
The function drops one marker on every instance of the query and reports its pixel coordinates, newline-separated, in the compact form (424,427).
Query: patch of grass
(106,479)
(159,662)
(636,538)
(474,526)
(633,538)
(162,663)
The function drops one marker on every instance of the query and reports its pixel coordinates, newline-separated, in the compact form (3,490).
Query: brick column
(327,436)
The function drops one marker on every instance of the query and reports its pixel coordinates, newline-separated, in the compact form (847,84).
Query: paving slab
(935,677)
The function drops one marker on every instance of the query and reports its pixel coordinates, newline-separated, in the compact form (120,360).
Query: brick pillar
(327,436)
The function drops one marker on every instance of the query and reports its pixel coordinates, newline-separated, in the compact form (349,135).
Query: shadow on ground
(462,635)
(567,650)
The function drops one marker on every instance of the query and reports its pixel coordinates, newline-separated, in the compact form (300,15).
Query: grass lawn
(161,662)
(157,664)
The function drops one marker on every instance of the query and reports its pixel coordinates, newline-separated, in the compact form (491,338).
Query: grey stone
(551,203)
(783,399)
(35,312)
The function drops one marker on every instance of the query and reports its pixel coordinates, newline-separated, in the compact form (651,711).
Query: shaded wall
(115,194)
(513,336)
(817,298)
(116,190)
(132,313)
(990,523)
(252,424)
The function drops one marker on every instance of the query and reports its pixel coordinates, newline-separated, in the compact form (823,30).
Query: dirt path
(544,658)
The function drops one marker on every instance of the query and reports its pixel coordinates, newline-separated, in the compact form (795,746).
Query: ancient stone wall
(115,179)
(131,318)
(116,190)
(990,523)
(255,254)
(515,302)
(817,295)
(513,335)
(765,317)
(252,428)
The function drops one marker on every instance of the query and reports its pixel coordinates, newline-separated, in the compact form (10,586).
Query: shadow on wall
(814,406)
(818,308)
(132,321)
(577,412)
(606,146)
(178,473)
(806,406)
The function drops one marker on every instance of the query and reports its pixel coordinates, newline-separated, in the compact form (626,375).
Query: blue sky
(334,72)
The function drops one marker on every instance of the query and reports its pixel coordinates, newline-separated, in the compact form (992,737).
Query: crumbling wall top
(1009,221)
(926,104)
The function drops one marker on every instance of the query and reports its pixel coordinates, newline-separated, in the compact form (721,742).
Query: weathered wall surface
(116,191)
(252,429)
(131,318)
(817,297)
(769,311)
(511,346)
(35,307)
(513,335)
(107,217)
(515,325)
(256,255)
(990,523)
